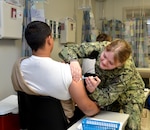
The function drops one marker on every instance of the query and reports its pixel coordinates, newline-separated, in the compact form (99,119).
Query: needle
(85,77)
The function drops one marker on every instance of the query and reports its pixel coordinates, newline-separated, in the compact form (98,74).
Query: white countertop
(106,115)
(9,105)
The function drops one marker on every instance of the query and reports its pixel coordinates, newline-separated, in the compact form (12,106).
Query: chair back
(40,112)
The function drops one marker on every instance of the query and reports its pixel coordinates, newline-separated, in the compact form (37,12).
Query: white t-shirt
(47,77)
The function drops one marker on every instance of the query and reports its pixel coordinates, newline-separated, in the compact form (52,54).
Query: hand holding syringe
(91,82)
(83,77)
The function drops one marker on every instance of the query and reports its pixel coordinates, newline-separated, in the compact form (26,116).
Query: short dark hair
(35,33)
(103,37)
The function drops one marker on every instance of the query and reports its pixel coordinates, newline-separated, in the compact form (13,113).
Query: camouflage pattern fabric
(123,85)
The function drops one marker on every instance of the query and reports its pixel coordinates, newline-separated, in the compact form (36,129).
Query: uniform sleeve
(76,51)
(107,94)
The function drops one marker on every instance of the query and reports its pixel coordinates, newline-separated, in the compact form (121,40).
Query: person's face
(107,61)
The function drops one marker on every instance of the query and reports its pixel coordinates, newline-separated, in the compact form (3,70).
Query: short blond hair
(121,48)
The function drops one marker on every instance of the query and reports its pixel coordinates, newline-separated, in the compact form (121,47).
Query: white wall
(10,50)
(58,10)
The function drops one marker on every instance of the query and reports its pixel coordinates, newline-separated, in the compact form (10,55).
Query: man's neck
(41,53)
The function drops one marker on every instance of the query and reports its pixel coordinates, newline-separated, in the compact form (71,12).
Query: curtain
(86,27)
(26,51)
(113,27)
(31,13)
(136,33)
(89,33)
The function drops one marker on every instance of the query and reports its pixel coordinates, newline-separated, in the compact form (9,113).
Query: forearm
(85,104)
(92,109)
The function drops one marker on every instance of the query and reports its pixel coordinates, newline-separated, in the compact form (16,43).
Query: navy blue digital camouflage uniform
(121,89)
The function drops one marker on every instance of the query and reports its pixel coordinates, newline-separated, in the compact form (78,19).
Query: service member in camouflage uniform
(121,88)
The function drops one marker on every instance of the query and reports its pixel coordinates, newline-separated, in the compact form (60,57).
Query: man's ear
(51,39)
(48,40)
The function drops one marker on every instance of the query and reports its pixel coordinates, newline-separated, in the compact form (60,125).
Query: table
(106,115)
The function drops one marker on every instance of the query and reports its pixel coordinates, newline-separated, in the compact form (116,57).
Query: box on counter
(98,124)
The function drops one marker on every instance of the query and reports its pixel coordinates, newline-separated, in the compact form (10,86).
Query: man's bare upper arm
(80,97)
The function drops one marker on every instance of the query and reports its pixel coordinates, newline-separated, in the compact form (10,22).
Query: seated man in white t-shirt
(41,75)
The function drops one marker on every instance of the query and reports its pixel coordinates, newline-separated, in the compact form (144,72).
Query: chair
(40,113)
